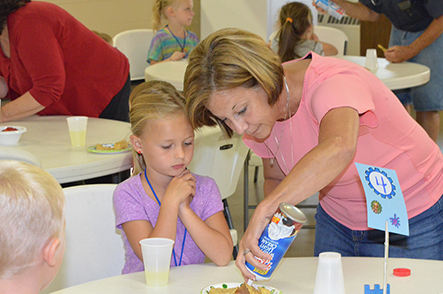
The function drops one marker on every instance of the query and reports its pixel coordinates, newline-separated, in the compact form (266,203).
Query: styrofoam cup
(371,62)
(77,130)
(329,279)
(157,260)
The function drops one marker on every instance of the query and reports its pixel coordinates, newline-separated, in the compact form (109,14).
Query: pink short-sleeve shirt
(388,137)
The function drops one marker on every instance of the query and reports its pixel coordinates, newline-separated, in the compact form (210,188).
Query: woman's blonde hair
(152,100)
(227,59)
(158,10)
(295,18)
(31,211)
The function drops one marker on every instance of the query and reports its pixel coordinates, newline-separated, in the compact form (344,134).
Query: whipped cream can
(277,237)
(331,8)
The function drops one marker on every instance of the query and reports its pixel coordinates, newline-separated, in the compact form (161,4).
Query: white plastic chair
(221,159)
(94,248)
(134,44)
(10,153)
(333,36)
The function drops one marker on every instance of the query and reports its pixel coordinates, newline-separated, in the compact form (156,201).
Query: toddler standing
(296,37)
(163,198)
(173,42)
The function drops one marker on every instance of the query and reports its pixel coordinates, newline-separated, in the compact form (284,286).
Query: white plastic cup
(157,260)
(77,130)
(329,279)
(371,62)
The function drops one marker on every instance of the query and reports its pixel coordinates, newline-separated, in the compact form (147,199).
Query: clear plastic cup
(371,62)
(329,279)
(77,130)
(157,260)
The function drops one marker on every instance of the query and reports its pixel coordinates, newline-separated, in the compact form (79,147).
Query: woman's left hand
(248,246)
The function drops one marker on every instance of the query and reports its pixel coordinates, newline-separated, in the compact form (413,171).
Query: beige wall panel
(114,16)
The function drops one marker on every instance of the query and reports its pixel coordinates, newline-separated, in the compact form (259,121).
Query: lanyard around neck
(176,39)
(184,235)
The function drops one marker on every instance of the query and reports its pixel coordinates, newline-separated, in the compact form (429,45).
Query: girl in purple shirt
(163,198)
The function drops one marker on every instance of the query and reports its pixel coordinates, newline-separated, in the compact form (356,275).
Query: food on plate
(243,289)
(9,129)
(117,146)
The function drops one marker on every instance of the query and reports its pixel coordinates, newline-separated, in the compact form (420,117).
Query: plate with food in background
(111,148)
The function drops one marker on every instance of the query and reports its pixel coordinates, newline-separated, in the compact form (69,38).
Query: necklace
(184,236)
(176,39)
(278,142)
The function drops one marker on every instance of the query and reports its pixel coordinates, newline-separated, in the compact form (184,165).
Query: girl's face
(167,145)
(183,12)
(245,111)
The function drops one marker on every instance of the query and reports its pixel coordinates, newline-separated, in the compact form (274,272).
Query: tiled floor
(303,244)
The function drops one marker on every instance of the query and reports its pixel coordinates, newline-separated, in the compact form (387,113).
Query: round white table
(294,275)
(171,71)
(47,137)
(396,75)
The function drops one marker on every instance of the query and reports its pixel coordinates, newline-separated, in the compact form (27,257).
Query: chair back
(134,44)
(333,36)
(94,248)
(219,158)
(10,153)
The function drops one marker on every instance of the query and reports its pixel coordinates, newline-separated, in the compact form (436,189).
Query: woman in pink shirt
(310,120)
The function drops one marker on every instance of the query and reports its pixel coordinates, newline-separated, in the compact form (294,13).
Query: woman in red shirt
(51,64)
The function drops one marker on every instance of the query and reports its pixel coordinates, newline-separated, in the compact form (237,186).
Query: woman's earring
(139,152)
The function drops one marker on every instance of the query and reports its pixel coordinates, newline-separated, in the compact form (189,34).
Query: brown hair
(295,18)
(227,59)
(151,100)
(7,7)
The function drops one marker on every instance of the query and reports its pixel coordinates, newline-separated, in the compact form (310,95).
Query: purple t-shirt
(132,203)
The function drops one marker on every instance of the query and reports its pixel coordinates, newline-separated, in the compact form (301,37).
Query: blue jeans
(428,97)
(425,239)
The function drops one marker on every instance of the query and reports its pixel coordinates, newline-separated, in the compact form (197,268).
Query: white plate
(233,285)
(111,151)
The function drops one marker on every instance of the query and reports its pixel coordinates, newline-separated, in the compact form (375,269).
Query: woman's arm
(403,53)
(21,107)
(336,147)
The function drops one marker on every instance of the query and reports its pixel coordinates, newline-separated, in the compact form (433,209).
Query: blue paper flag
(384,199)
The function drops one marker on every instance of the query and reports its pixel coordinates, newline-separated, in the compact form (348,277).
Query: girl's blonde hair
(32,207)
(228,59)
(158,10)
(295,18)
(152,100)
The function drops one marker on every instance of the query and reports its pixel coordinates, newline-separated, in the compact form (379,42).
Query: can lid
(402,272)
(293,212)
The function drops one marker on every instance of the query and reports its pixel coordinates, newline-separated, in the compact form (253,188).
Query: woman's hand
(249,243)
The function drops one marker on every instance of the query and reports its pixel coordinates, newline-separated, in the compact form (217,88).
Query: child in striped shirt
(173,42)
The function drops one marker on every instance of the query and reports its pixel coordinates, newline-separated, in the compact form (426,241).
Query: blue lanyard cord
(184,42)
(184,235)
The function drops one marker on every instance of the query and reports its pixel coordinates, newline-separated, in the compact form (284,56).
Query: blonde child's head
(163,8)
(150,101)
(295,21)
(31,212)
